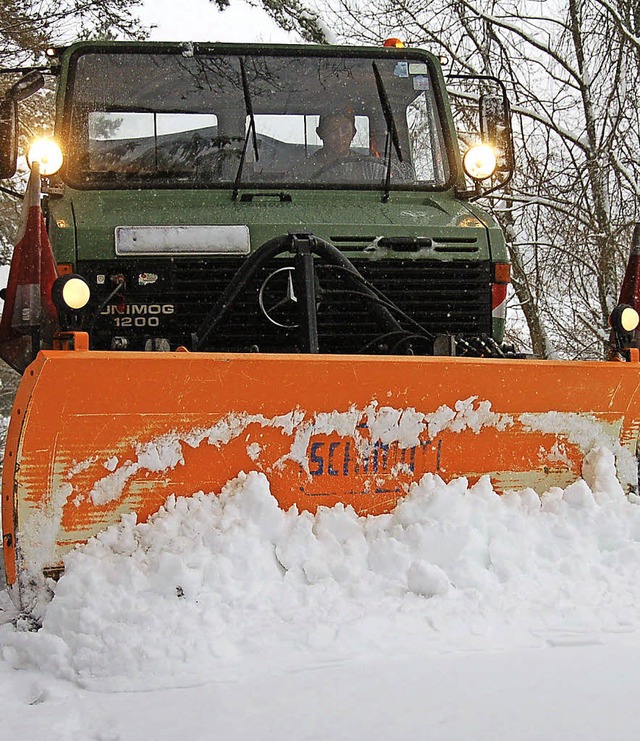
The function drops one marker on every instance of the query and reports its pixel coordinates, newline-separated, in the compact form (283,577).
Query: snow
(461,614)
(588,434)
(384,424)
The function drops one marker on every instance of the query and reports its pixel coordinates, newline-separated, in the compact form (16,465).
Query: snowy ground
(462,615)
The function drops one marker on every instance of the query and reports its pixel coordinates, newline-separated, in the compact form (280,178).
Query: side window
(361,139)
(301,129)
(427,144)
(284,128)
(420,137)
(120,142)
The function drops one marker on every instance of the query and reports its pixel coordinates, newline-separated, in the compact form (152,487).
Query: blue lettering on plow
(341,458)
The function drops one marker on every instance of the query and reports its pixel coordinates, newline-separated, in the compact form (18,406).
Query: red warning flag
(29,317)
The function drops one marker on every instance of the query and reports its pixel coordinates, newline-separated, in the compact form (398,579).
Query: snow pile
(212,583)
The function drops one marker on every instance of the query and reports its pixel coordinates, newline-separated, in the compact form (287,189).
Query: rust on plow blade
(96,435)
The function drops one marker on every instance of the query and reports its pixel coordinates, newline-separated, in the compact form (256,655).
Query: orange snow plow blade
(95,435)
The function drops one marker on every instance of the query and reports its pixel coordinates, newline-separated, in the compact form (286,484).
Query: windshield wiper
(251,131)
(392,131)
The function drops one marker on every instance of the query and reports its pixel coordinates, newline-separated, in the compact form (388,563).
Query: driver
(337,130)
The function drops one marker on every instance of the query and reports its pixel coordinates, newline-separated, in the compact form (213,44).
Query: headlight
(629,319)
(624,318)
(76,293)
(70,293)
(480,162)
(48,153)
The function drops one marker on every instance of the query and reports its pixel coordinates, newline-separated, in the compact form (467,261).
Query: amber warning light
(394,42)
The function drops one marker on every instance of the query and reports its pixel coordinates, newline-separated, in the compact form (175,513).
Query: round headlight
(48,153)
(76,293)
(480,162)
(624,318)
(70,293)
(629,319)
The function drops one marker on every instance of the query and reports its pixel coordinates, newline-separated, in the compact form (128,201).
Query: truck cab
(180,161)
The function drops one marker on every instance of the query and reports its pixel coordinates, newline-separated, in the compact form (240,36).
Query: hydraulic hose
(266,252)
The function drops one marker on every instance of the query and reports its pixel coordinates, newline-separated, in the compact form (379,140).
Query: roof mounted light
(480,162)
(48,153)
(394,43)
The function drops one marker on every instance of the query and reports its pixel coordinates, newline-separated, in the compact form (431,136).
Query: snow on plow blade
(96,435)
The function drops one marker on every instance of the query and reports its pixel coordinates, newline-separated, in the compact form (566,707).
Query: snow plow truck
(270,258)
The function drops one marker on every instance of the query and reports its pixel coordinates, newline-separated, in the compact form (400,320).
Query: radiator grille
(173,298)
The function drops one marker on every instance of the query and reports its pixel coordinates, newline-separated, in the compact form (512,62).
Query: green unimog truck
(180,162)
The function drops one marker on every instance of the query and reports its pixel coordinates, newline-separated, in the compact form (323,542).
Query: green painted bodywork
(83,221)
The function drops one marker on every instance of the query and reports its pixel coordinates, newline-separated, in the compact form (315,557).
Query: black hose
(403,334)
(250,266)
(267,252)
(334,257)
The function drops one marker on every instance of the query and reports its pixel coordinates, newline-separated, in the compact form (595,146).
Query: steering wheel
(358,167)
(217,165)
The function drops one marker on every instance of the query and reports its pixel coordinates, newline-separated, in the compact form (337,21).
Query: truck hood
(354,221)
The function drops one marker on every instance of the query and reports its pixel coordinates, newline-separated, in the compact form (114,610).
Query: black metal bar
(282,196)
(332,255)
(11,192)
(305,285)
(492,78)
(267,251)
(249,106)
(387,110)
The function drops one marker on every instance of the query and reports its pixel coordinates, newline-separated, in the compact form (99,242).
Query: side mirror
(495,129)
(8,137)
(26,86)
(484,132)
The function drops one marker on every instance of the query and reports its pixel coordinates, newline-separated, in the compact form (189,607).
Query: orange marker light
(394,42)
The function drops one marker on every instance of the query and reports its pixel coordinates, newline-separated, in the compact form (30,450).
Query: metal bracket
(78,341)
(305,282)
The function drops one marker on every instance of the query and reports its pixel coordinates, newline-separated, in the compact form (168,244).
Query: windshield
(319,121)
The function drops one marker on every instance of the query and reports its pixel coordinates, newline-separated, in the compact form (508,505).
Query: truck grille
(172,300)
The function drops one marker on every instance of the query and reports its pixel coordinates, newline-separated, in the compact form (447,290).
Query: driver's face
(337,134)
